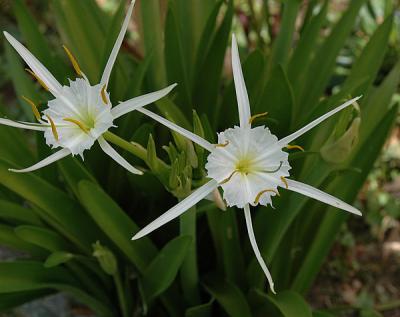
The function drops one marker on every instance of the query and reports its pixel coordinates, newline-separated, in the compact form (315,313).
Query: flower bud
(106,258)
(171,151)
(152,154)
(174,175)
(338,150)
(191,155)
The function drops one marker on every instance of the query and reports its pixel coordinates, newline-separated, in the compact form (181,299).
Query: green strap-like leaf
(303,53)
(116,224)
(161,272)
(225,234)
(16,214)
(282,45)
(10,239)
(23,84)
(229,296)
(370,60)
(378,102)
(84,34)
(74,172)
(44,238)
(203,310)
(76,225)
(15,299)
(277,99)
(320,70)
(36,42)
(175,58)
(20,276)
(152,34)
(210,63)
(284,304)
(9,151)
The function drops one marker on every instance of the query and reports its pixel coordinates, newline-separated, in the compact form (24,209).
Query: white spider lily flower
(248,163)
(80,113)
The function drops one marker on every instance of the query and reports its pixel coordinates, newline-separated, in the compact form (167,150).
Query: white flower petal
(36,66)
(286,140)
(113,56)
(139,102)
(317,194)
(190,135)
(246,165)
(47,161)
(178,209)
(22,125)
(116,157)
(85,105)
(253,242)
(240,86)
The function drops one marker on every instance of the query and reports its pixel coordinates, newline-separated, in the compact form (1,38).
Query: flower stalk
(121,294)
(189,269)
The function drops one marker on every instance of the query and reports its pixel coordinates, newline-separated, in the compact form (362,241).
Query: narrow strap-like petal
(36,66)
(139,102)
(178,209)
(254,245)
(47,161)
(317,194)
(190,135)
(116,157)
(240,86)
(286,140)
(22,125)
(113,56)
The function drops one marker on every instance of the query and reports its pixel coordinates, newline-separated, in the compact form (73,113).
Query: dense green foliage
(75,219)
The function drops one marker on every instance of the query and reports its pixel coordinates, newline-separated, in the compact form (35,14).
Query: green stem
(133,148)
(121,294)
(136,150)
(189,271)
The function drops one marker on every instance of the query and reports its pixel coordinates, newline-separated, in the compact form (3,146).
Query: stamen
(252,118)
(275,170)
(34,107)
(78,123)
(53,127)
(41,82)
(103,95)
(223,144)
(283,179)
(228,178)
(73,61)
(263,192)
(291,147)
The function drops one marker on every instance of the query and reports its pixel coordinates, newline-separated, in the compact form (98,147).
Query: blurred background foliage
(67,228)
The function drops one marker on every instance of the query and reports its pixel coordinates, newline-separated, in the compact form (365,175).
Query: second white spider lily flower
(248,163)
(80,113)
